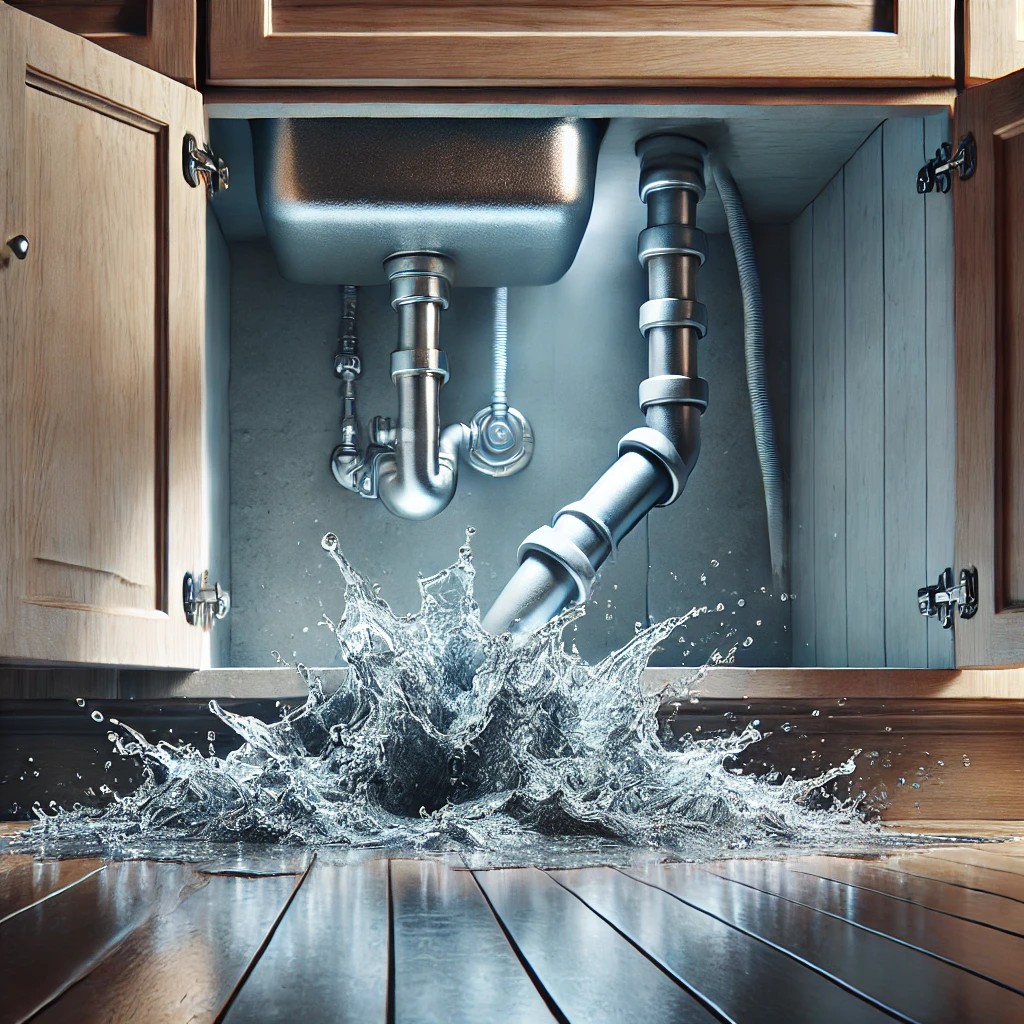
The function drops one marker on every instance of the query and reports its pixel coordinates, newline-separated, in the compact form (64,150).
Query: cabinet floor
(922,934)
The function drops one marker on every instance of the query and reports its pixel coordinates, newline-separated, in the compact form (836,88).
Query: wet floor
(929,934)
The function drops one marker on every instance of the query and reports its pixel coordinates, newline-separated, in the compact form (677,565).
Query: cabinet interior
(857,282)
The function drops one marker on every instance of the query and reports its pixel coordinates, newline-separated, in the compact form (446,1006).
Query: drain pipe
(558,563)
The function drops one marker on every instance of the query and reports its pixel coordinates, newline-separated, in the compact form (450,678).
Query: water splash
(446,737)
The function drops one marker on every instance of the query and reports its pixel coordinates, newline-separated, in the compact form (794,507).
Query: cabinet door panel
(581,42)
(161,34)
(993,38)
(102,357)
(988,217)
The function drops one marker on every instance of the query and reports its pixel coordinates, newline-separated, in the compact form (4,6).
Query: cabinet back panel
(94,360)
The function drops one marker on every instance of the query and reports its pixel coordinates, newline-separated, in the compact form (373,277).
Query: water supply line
(754,354)
(412,466)
(558,563)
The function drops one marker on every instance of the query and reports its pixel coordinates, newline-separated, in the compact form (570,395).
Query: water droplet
(815,713)
(842,701)
(703,579)
(96,716)
(211,736)
(80,701)
(741,603)
(748,641)
(888,728)
(967,761)
(783,597)
(714,563)
(720,608)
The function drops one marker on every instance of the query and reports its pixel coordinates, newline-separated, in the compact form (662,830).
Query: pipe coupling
(654,445)
(672,240)
(560,549)
(671,161)
(415,362)
(673,389)
(674,313)
(419,277)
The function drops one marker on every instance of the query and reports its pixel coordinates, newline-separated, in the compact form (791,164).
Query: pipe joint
(672,240)
(674,313)
(673,389)
(561,549)
(657,448)
(416,362)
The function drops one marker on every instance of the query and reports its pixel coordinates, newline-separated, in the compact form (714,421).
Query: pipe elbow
(417,493)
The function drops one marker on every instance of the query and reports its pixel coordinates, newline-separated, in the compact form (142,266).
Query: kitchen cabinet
(160,34)
(993,39)
(101,310)
(579,42)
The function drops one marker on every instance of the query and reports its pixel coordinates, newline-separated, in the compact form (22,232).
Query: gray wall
(576,358)
(873,456)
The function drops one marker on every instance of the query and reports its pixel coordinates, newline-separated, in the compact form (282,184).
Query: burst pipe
(558,563)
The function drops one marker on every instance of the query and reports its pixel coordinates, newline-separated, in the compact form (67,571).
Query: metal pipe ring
(674,313)
(672,240)
(414,362)
(673,389)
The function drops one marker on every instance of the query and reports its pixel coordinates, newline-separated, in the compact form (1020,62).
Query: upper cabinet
(160,34)
(101,362)
(993,38)
(988,223)
(582,42)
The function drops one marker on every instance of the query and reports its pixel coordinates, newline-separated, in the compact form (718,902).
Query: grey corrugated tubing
(499,399)
(753,344)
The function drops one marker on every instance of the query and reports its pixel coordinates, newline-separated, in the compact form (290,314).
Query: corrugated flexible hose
(753,344)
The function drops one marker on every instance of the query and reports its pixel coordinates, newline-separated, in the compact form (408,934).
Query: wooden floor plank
(28,883)
(452,962)
(56,942)
(742,978)
(183,963)
(999,883)
(329,951)
(990,953)
(590,972)
(909,983)
(983,907)
(980,857)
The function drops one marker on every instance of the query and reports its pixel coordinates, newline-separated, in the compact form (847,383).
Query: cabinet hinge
(943,600)
(937,174)
(203,603)
(201,164)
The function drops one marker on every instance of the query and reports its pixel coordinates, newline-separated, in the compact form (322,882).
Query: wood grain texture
(906,409)
(993,39)
(940,385)
(864,438)
(989,953)
(257,42)
(897,978)
(830,440)
(801,472)
(708,955)
(160,34)
(103,396)
(989,357)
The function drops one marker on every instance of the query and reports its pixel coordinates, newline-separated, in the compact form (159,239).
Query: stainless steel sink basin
(507,199)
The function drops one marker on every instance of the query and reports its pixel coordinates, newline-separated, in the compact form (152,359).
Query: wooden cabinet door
(161,34)
(101,355)
(993,38)
(581,42)
(988,228)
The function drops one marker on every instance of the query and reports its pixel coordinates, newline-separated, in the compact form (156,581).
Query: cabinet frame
(245,49)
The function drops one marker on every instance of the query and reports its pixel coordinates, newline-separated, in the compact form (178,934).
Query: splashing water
(446,737)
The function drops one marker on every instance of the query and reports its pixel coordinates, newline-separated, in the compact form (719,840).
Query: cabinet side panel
(801,471)
(941,388)
(905,394)
(830,426)
(865,407)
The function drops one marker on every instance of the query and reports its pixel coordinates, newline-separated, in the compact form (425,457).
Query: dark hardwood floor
(931,934)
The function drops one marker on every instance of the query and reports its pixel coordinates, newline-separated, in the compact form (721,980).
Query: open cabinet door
(988,228)
(101,359)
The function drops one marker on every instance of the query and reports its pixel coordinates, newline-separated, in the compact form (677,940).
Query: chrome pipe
(417,478)
(558,563)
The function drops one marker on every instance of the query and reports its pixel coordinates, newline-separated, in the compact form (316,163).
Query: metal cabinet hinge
(201,164)
(937,174)
(943,600)
(203,603)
